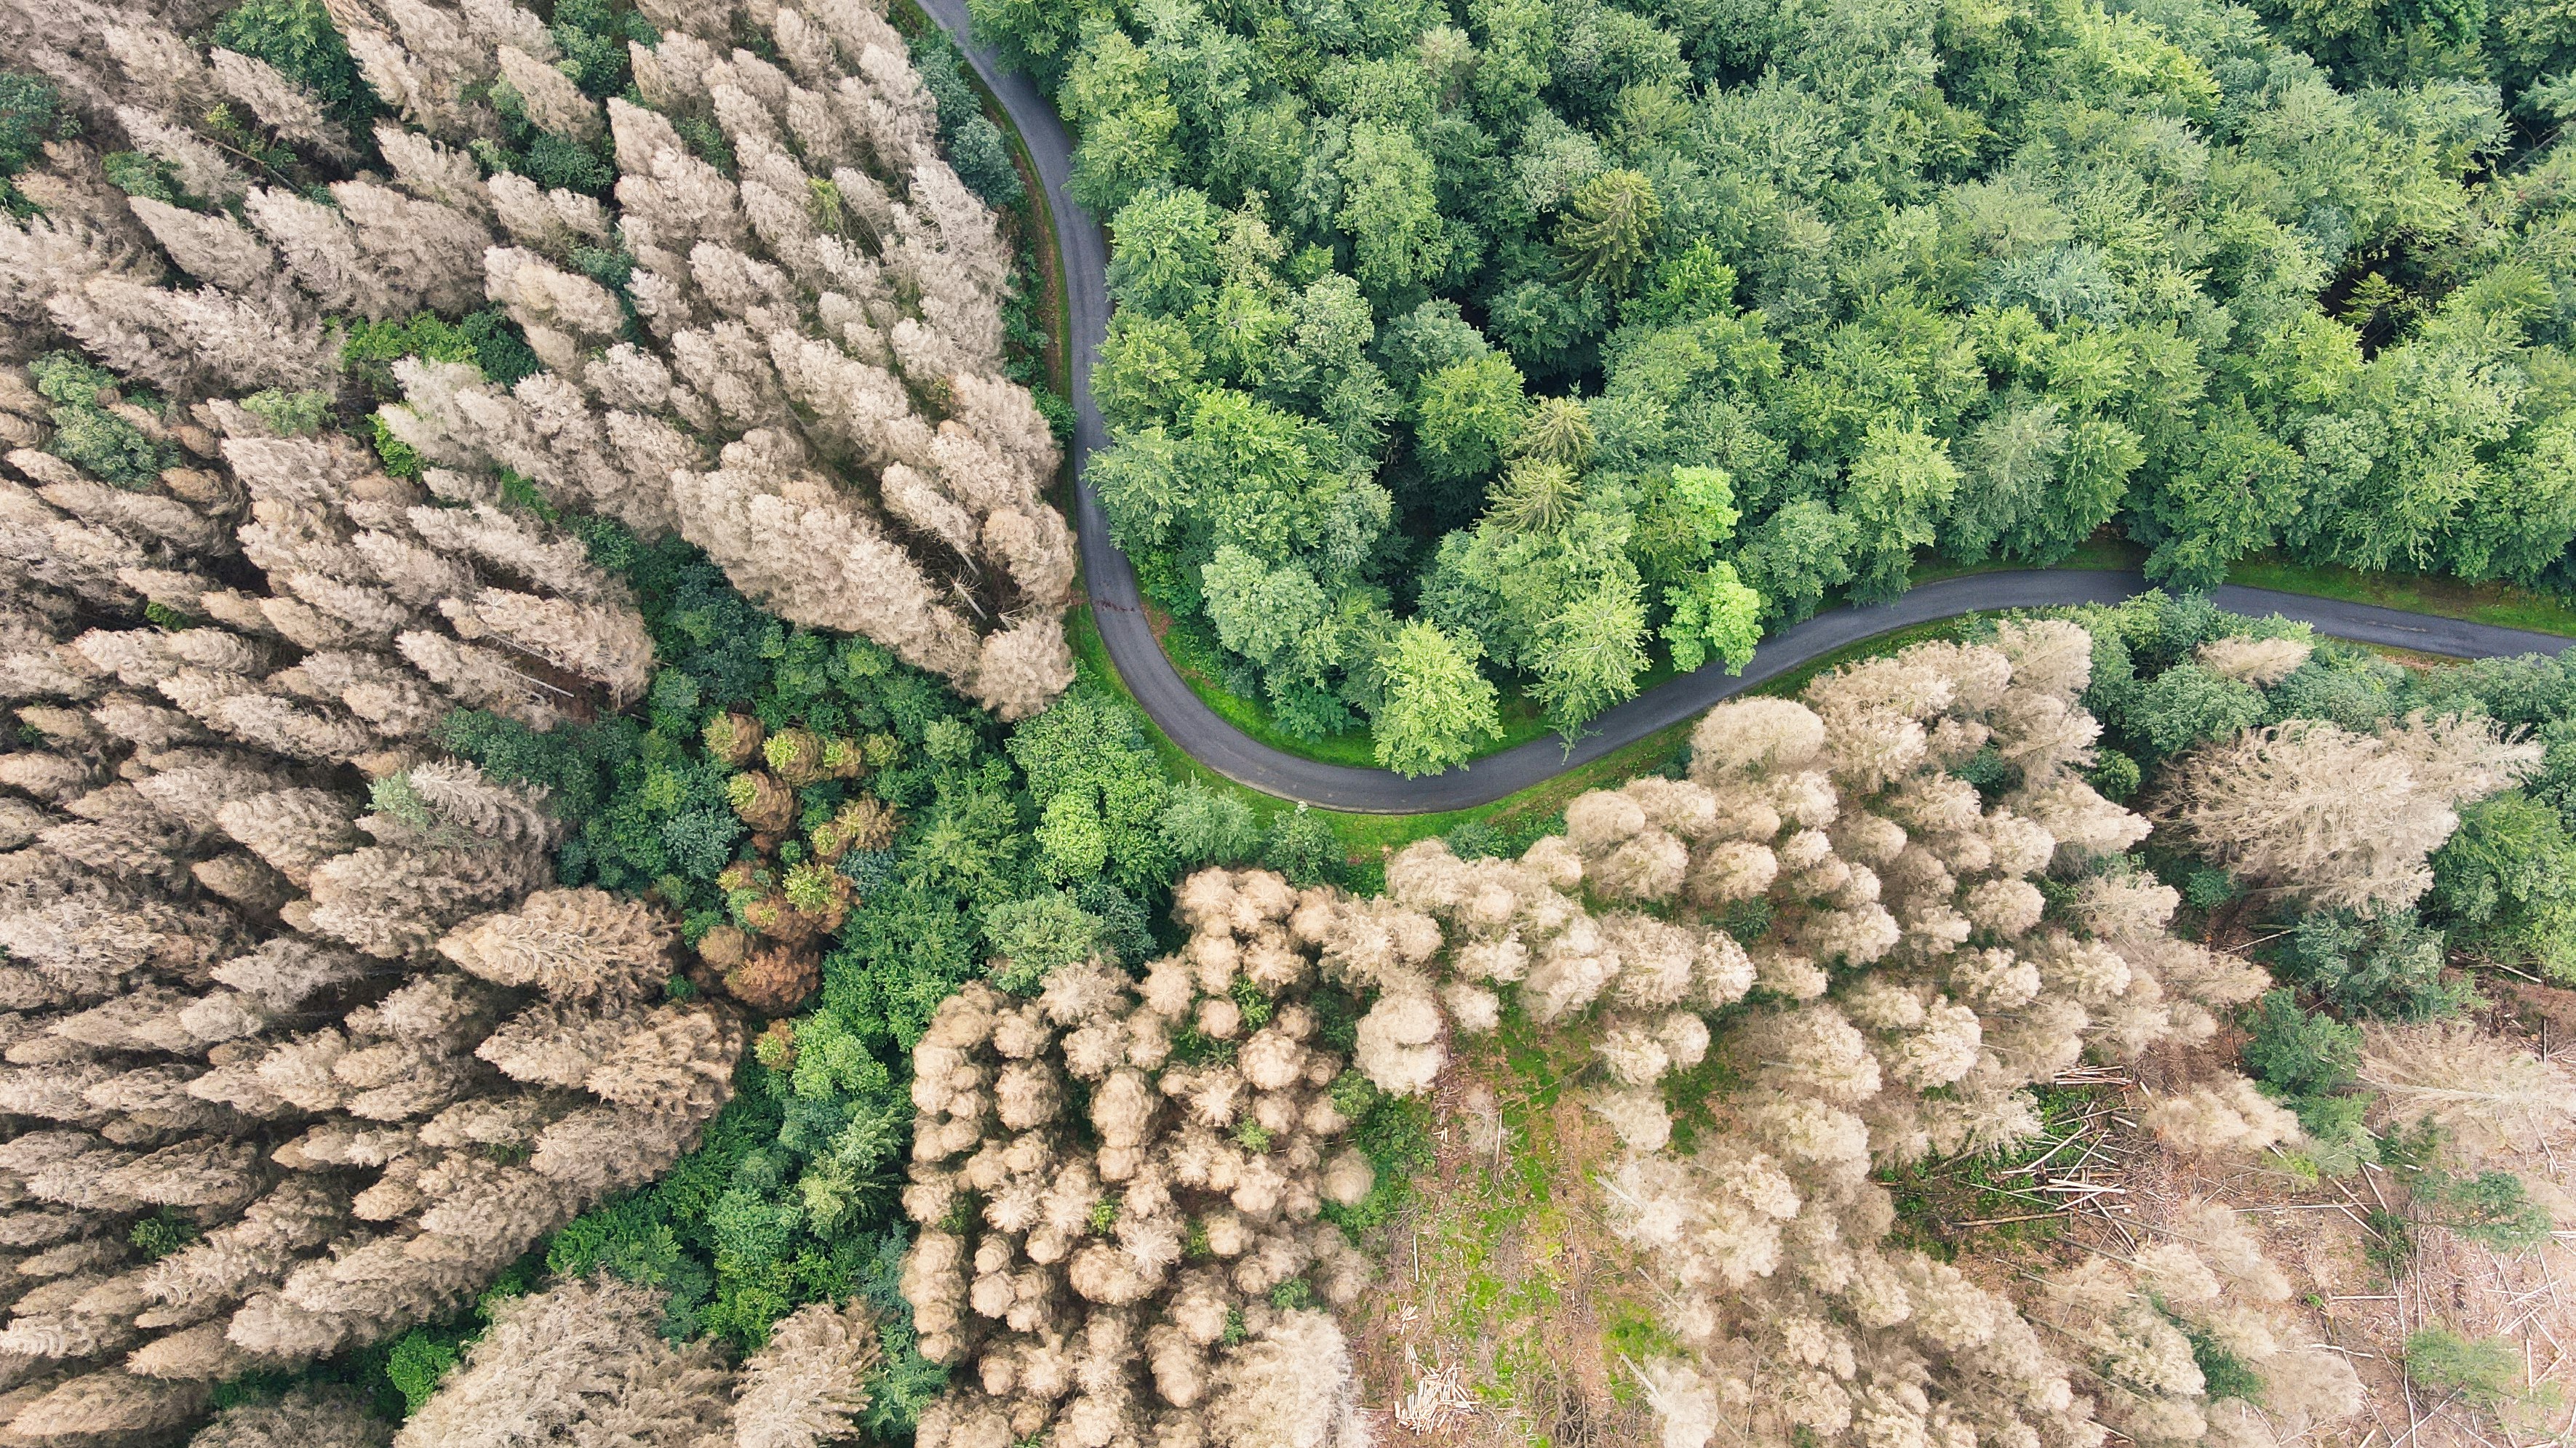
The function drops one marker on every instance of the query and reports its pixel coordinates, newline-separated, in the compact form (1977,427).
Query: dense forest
(1590,334)
(560,881)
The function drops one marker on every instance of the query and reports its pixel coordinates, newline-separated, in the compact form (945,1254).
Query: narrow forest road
(1208,738)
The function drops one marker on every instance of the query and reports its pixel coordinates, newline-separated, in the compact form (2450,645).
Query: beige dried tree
(227,985)
(2313,811)
(1082,1274)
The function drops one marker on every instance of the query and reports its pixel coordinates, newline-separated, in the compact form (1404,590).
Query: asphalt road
(1217,744)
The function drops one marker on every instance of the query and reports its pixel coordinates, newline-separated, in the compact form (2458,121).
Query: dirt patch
(2343,1293)
(1506,1303)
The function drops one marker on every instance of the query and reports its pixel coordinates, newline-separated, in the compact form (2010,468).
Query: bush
(1302,846)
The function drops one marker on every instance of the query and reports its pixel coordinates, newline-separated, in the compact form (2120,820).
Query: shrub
(1302,846)
(1207,826)
(2480,1370)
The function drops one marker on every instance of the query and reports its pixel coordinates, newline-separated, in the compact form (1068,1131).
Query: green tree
(1166,257)
(85,433)
(2493,1209)
(1893,494)
(1436,707)
(1246,473)
(1693,282)
(2297,1052)
(1609,230)
(1424,340)
(1703,500)
(1557,430)
(1038,933)
(30,111)
(1099,790)
(2187,705)
(1713,615)
(2415,450)
(2233,493)
(1301,845)
(1150,370)
(1536,496)
(2388,966)
(2483,1371)
(1515,40)
(298,38)
(1797,555)
(975,145)
(1037,36)
(1399,240)
(1467,413)
(1588,654)
(1275,615)
(2011,467)
(2505,881)
(2522,525)
(1117,98)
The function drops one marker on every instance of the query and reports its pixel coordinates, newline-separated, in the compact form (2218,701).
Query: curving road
(1221,747)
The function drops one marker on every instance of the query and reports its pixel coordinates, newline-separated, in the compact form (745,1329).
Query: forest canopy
(1588,332)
